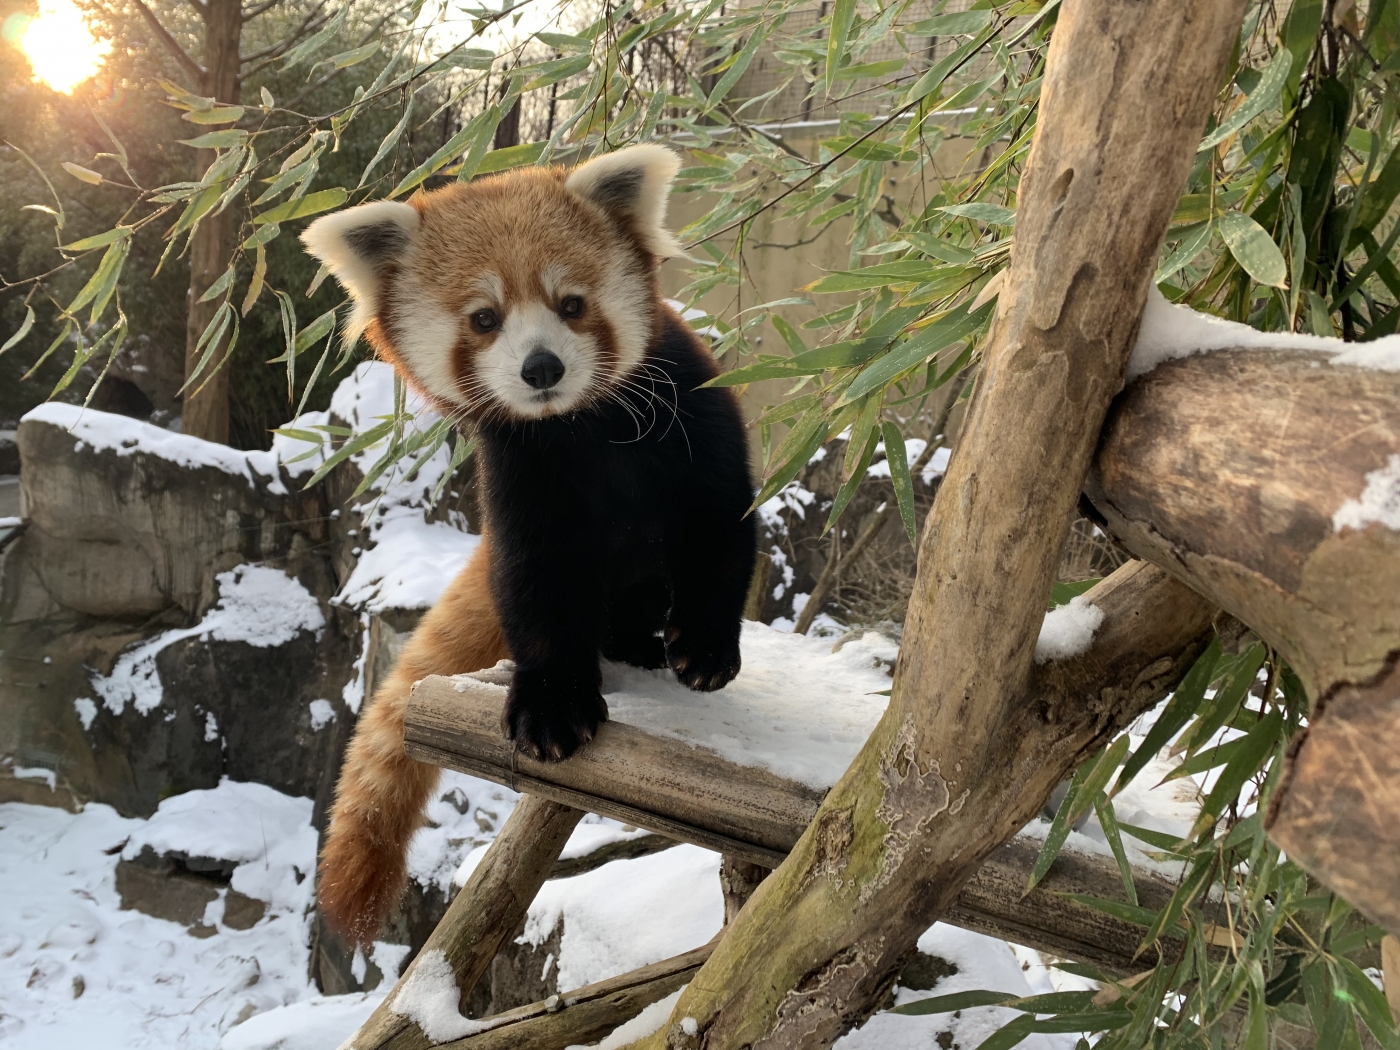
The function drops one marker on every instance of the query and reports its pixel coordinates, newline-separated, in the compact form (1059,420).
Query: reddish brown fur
(382,792)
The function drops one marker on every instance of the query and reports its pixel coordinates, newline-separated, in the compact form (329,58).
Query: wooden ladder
(688,794)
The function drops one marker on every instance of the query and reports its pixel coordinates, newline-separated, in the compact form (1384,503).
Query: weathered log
(654,782)
(485,912)
(966,753)
(586,1014)
(1241,472)
(737,881)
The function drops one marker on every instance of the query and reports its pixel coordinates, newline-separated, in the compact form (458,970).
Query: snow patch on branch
(1068,630)
(429,999)
(1170,332)
(1379,502)
(646,1023)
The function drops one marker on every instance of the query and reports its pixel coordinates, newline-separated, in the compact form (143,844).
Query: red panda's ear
(356,245)
(635,182)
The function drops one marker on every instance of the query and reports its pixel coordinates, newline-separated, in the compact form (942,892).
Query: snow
(87,710)
(314,1024)
(429,999)
(936,466)
(1067,630)
(411,563)
(463,817)
(258,605)
(236,821)
(40,773)
(322,714)
(983,963)
(106,431)
(1379,502)
(641,1026)
(796,708)
(629,913)
(405,560)
(1169,332)
(76,971)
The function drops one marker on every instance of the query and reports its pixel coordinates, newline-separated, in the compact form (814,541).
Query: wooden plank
(648,780)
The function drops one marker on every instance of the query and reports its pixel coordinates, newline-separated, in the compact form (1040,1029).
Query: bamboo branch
(252,12)
(190,66)
(817,598)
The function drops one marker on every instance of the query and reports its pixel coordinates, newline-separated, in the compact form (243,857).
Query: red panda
(527,308)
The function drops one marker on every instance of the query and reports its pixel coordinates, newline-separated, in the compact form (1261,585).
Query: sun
(61,49)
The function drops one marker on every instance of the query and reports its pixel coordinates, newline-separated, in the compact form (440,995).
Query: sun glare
(61,49)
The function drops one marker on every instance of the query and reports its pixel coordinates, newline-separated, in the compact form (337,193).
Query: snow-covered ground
(78,971)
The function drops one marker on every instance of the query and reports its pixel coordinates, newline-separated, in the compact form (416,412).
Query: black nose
(542,369)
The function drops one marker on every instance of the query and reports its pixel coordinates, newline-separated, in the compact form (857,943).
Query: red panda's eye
(484,320)
(572,306)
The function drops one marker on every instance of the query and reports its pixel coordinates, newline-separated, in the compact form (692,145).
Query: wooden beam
(706,799)
(586,1014)
(1238,472)
(486,912)
(654,782)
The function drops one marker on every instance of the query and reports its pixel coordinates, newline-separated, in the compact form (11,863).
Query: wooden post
(485,912)
(961,760)
(1235,471)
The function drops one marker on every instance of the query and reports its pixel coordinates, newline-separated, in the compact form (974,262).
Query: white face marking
(526,328)
(625,301)
(424,334)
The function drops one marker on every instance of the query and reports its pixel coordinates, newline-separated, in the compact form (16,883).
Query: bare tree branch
(251,13)
(163,35)
(310,25)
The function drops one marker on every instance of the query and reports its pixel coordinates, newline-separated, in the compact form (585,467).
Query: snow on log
(1269,481)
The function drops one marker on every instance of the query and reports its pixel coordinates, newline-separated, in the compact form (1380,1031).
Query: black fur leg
(551,716)
(701,661)
(647,651)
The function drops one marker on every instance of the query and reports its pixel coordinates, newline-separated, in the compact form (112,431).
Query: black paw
(700,662)
(646,651)
(550,719)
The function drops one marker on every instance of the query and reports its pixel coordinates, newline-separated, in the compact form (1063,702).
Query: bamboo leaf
(961,23)
(1253,249)
(1268,89)
(947,1004)
(1193,242)
(1179,710)
(82,174)
(1097,778)
(221,285)
(99,241)
(389,141)
(899,474)
(217,139)
(104,278)
(953,327)
(255,285)
(1108,821)
(1245,763)
(311,204)
(216,115)
(20,332)
(842,15)
(511,157)
(992,214)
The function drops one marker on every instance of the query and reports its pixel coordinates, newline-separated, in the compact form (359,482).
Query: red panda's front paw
(701,663)
(550,720)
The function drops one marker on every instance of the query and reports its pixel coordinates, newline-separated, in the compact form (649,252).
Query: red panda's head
(520,296)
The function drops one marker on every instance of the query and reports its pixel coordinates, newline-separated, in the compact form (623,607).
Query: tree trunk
(1242,472)
(964,757)
(214,240)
